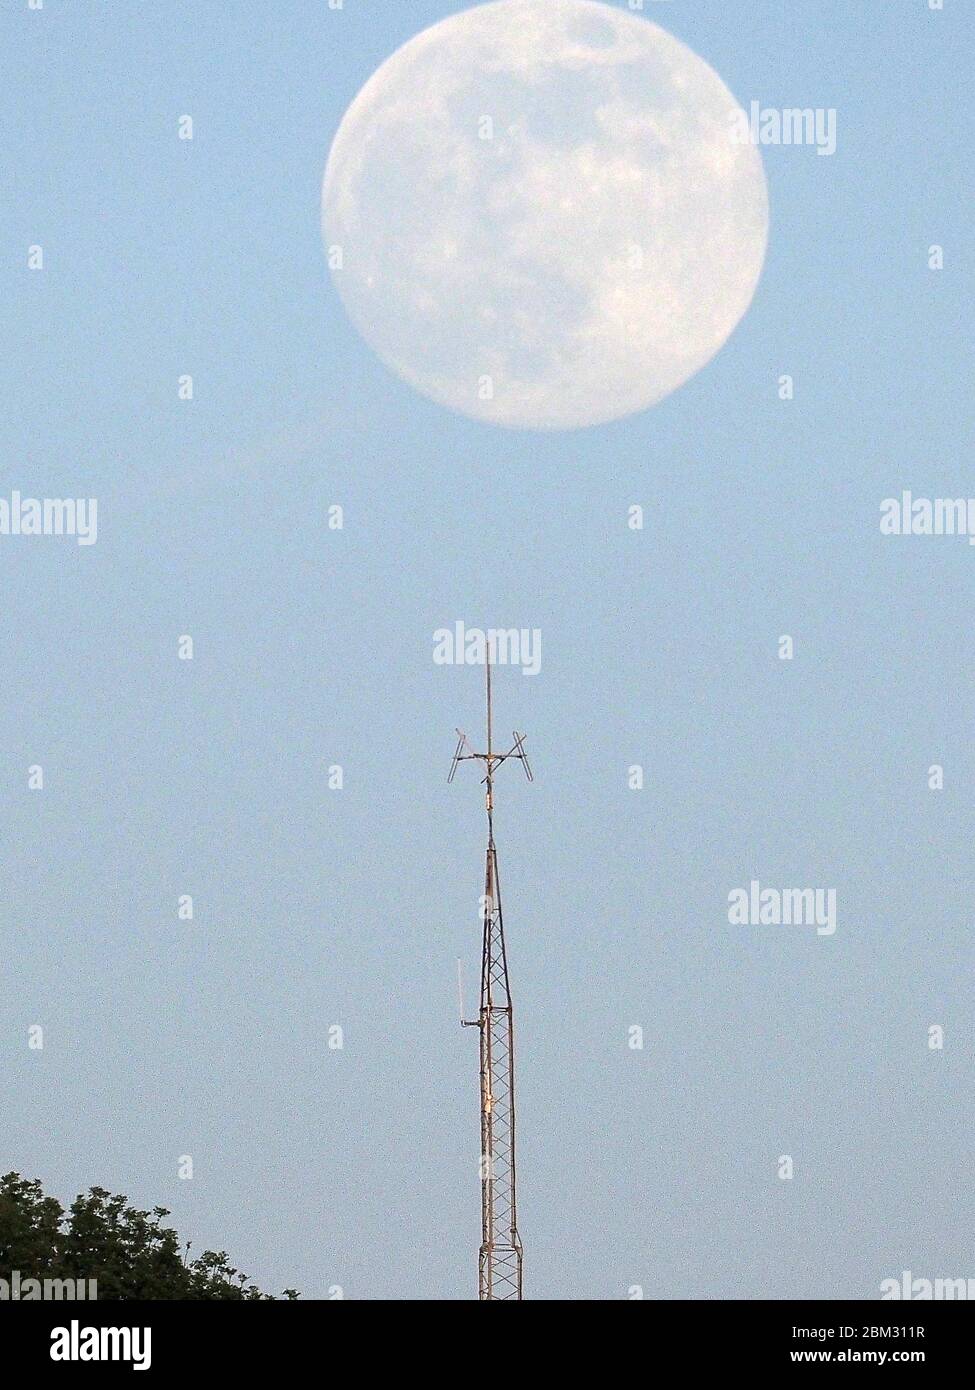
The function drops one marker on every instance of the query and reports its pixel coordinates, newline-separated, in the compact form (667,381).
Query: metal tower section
(500,1256)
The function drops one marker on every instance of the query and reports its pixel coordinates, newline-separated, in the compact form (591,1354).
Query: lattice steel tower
(500,1255)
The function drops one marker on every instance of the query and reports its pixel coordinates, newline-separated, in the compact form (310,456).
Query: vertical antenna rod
(500,1255)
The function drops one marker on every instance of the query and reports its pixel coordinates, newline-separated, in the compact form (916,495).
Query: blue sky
(313,907)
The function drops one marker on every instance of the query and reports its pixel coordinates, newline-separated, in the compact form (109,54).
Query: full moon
(538,214)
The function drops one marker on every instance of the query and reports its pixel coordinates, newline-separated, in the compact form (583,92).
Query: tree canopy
(130,1252)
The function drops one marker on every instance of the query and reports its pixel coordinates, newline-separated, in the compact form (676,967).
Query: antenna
(460,990)
(500,1255)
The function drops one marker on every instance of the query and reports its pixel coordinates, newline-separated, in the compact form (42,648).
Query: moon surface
(537,214)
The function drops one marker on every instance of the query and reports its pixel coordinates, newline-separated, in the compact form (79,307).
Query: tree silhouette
(130,1252)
